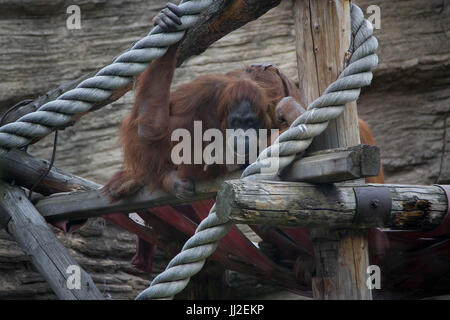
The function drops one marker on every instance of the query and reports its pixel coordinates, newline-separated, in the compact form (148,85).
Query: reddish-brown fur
(145,133)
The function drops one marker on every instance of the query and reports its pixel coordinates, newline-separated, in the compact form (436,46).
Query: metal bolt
(375,203)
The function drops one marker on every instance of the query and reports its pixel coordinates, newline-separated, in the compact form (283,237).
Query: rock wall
(407,106)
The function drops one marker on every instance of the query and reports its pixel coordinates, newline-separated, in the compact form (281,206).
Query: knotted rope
(293,141)
(60,112)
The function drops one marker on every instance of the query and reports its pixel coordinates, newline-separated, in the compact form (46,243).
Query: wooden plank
(304,205)
(46,252)
(323,34)
(87,204)
(25,170)
(333,165)
(336,165)
(324,166)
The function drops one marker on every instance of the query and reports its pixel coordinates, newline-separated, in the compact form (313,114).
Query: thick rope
(60,112)
(293,141)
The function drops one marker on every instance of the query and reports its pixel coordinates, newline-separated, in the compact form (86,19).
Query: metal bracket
(373,205)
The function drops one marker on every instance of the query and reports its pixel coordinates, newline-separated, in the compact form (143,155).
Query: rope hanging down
(60,112)
(293,141)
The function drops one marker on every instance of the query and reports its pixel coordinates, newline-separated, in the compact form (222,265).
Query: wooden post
(47,254)
(323,33)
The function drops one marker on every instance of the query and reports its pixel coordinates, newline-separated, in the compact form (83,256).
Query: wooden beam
(323,34)
(46,252)
(25,170)
(334,165)
(221,18)
(87,204)
(294,204)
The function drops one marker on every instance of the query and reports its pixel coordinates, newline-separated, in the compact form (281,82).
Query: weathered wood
(87,204)
(323,166)
(323,34)
(169,238)
(336,165)
(296,204)
(323,38)
(25,170)
(220,19)
(47,253)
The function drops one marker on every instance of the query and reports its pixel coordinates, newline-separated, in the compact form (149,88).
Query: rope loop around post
(60,112)
(293,141)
